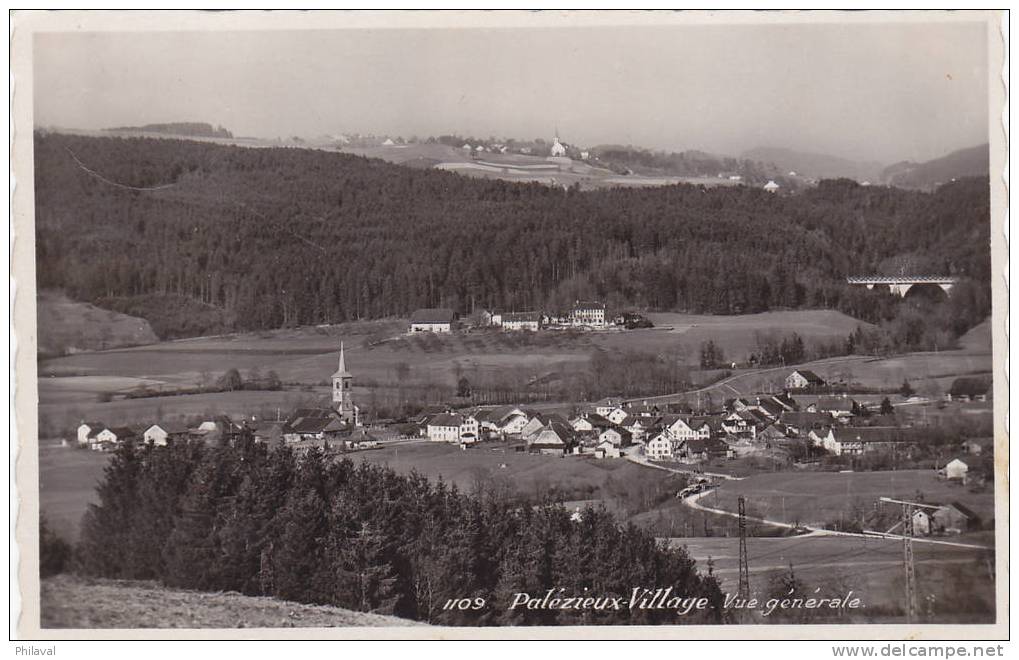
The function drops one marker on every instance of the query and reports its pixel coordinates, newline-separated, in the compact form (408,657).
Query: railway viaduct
(902,284)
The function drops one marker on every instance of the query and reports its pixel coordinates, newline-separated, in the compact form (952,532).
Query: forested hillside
(262,238)
(239,517)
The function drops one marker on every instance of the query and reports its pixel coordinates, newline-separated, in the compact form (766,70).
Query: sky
(866,91)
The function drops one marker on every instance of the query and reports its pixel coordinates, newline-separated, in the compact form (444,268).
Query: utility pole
(907,561)
(744,568)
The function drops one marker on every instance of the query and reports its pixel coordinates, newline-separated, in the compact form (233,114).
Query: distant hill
(187,129)
(627,159)
(815,165)
(974,161)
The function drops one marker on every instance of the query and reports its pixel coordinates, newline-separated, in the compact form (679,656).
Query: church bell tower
(343,402)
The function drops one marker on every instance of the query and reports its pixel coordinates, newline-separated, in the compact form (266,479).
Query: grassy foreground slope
(75,602)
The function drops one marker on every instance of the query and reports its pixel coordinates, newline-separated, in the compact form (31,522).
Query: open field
(68,476)
(736,335)
(582,477)
(67,481)
(816,498)
(66,326)
(75,602)
(377,351)
(872,568)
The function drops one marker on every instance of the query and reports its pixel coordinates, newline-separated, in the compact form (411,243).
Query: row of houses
(100,437)
(583,314)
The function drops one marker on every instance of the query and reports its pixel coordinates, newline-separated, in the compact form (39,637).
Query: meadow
(960,579)
(817,498)
(76,602)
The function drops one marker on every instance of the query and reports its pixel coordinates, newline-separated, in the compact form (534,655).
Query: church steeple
(342,371)
(342,401)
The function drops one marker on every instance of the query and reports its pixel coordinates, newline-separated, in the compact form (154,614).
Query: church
(343,402)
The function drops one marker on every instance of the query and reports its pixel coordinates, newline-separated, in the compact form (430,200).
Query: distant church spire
(342,400)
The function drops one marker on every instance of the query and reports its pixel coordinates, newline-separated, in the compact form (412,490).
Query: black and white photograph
(690,323)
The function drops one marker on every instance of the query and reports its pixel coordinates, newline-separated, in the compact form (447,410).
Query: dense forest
(203,237)
(240,517)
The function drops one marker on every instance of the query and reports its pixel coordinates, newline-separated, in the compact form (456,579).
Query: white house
(617,415)
(467,147)
(801,379)
(512,422)
(589,423)
(159,433)
(680,428)
(446,427)
(521,321)
(470,431)
(110,437)
(606,406)
(388,143)
(589,314)
(771,186)
(432,320)
(638,427)
(956,469)
(617,436)
(921,523)
(87,431)
(607,449)
(659,448)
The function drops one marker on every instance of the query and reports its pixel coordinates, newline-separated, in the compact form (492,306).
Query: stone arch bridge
(903,283)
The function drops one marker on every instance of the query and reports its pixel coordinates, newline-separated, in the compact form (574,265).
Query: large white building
(591,314)
(432,320)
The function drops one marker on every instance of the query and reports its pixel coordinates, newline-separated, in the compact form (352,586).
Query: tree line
(199,237)
(308,528)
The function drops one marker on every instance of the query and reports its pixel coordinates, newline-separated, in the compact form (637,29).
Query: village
(808,425)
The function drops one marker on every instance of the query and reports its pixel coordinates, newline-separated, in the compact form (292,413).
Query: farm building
(802,423)
(954,518)
(803,379)
(969,389)
(110,437)
(432,320)
(589,314)
(590,423)
(619,437)
(453,427)
(538,422)
(269,433)
(858,440)
(521,321)
(556,439)
(977,446)
(87,431)
(324,427)
(771,186)
(605,406)
(921,523)
(159,433)
(698,450)
(955,469)
(606,449)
